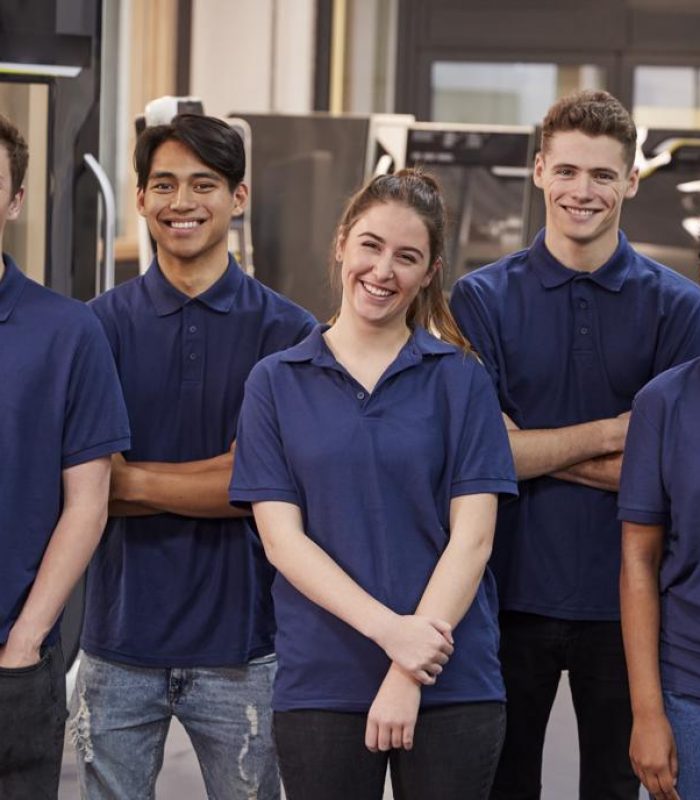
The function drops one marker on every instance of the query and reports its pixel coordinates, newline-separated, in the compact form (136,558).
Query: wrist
(380,625)
(26,637)
(397,674)
(652,708)
(610,435)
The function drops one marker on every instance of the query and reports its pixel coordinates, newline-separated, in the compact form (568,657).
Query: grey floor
(180,778)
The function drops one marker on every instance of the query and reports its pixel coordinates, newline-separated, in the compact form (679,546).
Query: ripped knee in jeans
(79,729)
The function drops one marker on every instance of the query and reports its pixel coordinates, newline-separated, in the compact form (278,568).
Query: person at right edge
(570,329)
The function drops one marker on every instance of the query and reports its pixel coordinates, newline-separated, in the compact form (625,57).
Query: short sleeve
(96,422)
(679,334)
(260,470)
(472,319)
(484,462)
(642,496)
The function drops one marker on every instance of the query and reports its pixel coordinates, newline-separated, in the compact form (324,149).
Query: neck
(350,334)
(193,276)
(2,263)
(581,256)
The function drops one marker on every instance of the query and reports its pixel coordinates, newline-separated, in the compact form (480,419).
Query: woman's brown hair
(420,192)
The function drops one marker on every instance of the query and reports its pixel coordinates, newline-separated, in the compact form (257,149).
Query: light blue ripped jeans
(120,717)
(683,714)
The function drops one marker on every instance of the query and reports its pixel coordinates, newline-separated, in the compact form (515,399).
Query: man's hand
(420,645)
(19,651)
(391,720)
(653,756)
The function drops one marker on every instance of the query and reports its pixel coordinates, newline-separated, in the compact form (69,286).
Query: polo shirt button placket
(582,316)
(192,344)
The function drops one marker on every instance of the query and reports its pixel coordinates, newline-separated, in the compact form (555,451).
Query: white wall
(253,55)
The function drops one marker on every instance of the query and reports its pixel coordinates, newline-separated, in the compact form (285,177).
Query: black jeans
(322,755)
(534,651)
(32,723)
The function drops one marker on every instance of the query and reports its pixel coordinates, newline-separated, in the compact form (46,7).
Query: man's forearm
(70,548)
(202,493)
(642,547)
(548,450)
(223,461)
(122,508)
(602,472)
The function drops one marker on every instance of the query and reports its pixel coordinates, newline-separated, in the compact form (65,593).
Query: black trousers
(322,755)
(534,651)
(32,723)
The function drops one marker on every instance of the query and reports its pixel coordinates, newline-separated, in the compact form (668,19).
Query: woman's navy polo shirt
(169,590)
(661,486)
(565,347)
(373,475)
(60,406)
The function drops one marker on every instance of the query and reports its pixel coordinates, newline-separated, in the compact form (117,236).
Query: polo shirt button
(584,331)
(582,304)
(360,395)
(192,329)
(193,356)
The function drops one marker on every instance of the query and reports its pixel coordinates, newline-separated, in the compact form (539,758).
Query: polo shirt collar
(552,273)
(11,287)
(167,299)
(315,350)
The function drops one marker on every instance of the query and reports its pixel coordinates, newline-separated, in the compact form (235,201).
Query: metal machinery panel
(485,174)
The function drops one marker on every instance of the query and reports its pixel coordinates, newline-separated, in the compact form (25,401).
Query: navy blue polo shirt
(565,347)
(169,590)
(373,475)
(60,406)
(660,487)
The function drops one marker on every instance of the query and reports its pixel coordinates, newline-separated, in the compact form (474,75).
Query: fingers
(386,736)
(424,677)
(661,785)
(445,629)
(371,734)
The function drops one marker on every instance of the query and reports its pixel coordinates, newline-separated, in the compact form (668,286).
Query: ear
(16,204)
(538,170)
(139,202)
(433,270)
(240,199)
(339,246)
(632,183)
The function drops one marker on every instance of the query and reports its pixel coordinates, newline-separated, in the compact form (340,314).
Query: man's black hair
(215,144)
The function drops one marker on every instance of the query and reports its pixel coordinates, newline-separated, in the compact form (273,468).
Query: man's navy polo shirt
(60,406)
(373,475)
(169,590)
(660,486)
(565,347)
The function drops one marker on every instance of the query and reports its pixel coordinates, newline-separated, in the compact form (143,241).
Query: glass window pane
(667,97)
(506,93)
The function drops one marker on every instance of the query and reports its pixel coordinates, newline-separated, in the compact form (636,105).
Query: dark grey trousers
(32,723)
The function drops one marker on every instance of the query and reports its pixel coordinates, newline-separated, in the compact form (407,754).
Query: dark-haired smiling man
(570,329)
(179,619)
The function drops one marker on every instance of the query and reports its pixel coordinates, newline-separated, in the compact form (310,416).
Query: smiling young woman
(372,454)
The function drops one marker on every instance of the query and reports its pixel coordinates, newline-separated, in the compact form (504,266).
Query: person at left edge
(179,619)
(61,417)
